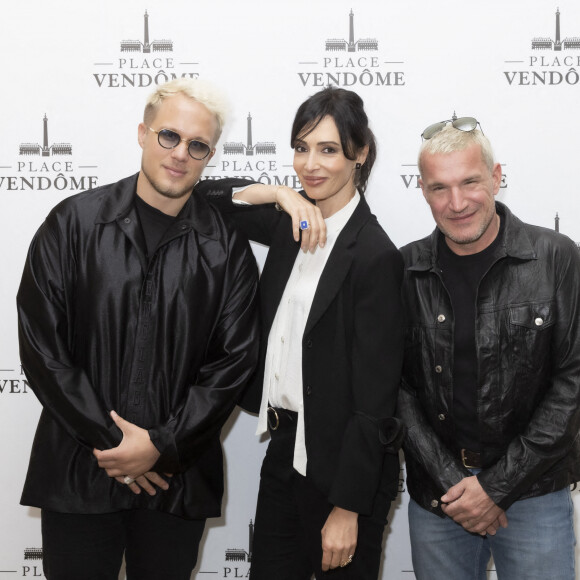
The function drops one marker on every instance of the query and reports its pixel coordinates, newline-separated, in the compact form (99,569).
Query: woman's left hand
(339,536)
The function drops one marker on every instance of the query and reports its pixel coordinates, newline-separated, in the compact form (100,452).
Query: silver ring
(304,225)
(128,480)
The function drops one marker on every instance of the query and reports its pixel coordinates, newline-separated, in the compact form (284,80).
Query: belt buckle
(276,418)
(464,461)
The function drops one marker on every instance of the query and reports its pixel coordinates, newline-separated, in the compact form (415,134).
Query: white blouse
(283,370)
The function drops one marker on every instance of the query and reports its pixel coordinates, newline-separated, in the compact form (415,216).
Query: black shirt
(154,223)
(461,276)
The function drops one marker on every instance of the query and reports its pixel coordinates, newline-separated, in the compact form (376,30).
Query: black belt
(471,459)
(281,418)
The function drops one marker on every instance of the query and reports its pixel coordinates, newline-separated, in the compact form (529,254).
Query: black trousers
(290,516)
(157,545)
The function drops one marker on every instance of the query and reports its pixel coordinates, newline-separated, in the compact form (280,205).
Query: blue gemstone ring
(304,225)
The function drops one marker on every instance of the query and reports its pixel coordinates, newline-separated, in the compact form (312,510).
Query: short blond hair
(199,90)
(450,139)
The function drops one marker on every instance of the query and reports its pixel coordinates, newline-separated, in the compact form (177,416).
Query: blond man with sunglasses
(137,334)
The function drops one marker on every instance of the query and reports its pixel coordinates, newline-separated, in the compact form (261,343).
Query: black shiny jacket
(168,343)
(527,335)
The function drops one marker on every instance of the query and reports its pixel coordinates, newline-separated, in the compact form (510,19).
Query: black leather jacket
(527,334)
(168,343)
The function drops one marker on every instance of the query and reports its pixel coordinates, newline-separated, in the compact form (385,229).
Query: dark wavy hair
(347,110)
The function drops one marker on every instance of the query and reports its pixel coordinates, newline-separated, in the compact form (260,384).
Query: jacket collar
(118,201)
(516,242)
(338,264)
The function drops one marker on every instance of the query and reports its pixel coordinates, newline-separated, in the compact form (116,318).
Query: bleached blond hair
(450,139)
(199,90)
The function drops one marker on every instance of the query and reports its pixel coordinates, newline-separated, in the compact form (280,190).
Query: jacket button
(434,503)
(309,343)
(127,220)
(539,321)
(441,318)
(441,417)
(438,369)
(308,390)
(183,227)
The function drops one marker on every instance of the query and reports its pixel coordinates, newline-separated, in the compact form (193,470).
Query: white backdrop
(85,66)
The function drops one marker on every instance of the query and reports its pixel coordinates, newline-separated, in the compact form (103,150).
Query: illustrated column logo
(351,45)
(238,148)
(546,43)
(239,554)
(45,150)
(145,46)
(557,229)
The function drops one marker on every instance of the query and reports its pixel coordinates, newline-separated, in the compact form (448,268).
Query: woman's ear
(362,156)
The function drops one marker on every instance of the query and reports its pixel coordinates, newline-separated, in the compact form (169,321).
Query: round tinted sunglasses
(169,139)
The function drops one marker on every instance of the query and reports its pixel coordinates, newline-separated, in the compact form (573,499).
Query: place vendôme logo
(143,63)
(362,65)
(558,65)
(256,161)
(46,166)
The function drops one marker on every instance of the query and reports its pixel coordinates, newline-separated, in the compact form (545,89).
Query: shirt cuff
(239,201)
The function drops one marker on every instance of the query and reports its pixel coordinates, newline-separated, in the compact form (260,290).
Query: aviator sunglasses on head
(461,123)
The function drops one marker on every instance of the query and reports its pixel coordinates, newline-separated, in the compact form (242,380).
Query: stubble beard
(473,238)
(167,192)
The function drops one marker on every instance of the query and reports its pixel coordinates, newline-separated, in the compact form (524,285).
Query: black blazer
(352,350)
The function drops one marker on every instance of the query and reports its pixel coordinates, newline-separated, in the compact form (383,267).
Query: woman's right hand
(300,210)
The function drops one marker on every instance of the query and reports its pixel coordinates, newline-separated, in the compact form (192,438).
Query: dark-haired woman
(331,352)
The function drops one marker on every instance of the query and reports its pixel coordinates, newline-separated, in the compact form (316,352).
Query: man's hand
(134,456)
(339,537)
(144,481)
(469,505)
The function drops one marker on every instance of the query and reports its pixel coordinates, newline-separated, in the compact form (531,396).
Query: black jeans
(290,516)
(157,545)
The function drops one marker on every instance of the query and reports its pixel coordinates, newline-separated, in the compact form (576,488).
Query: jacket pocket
(530,334)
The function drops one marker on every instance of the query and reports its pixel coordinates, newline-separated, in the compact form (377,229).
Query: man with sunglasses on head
(137,333)
(491,379)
